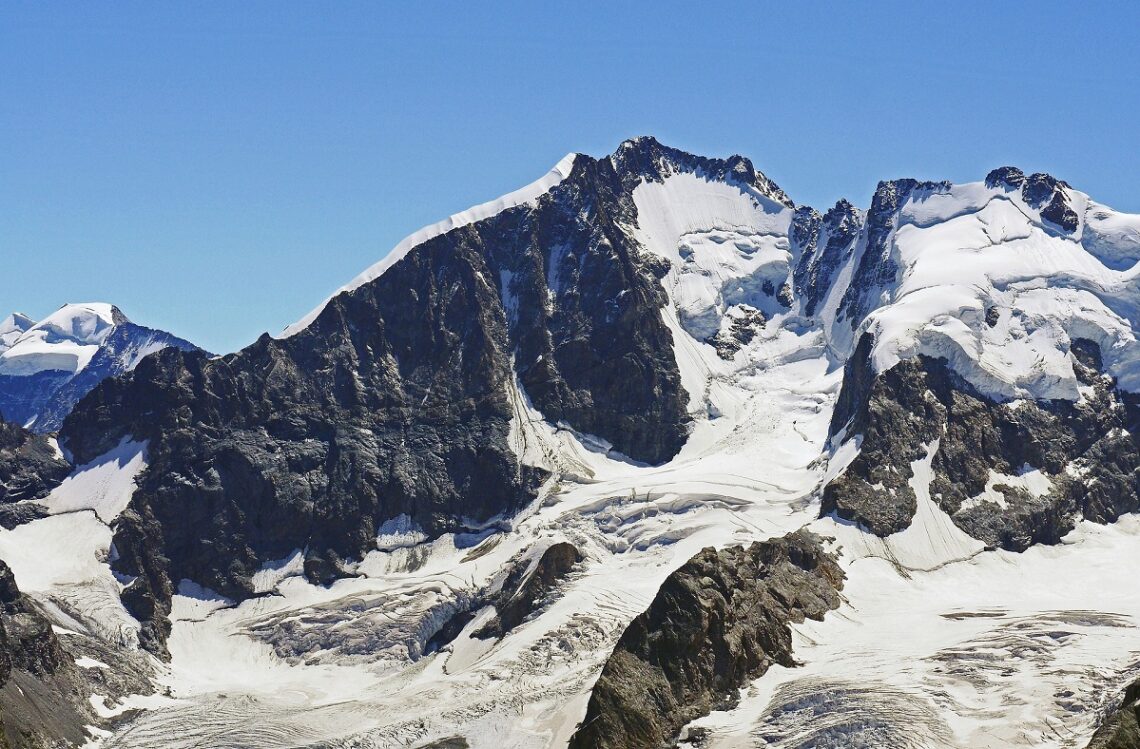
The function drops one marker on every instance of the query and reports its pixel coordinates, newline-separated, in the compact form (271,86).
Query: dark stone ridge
(39,698)
(13,516)
(1040,188)
(1120,728)
(48,397)
(744,323)
(716,623)
(1042,191)
(824,243)
(645,159)
(876,267)
(1009,177)
(1086,448)
(896,419)
(524,590)
(1047,193)
(396,399)
(29,469)
(455,742)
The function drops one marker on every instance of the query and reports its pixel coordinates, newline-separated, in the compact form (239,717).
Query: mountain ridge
(46,367)
(653,354)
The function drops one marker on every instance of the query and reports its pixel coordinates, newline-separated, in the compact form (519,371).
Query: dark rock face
(745,323)
(716,623)
(1086,448)
(897,417)
(524,589)
(393,402)
(876,267)
(1047,193)
(396,399)
(46,398)
(38,696)
(29,469)
(645,159)
(1009,177)
(824,242)
(29,642)
(1120,728)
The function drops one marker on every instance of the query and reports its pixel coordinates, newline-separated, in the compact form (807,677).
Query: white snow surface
(64,340)
(12,327)
(524,195)
(61,560)
(939,643)
(970,248)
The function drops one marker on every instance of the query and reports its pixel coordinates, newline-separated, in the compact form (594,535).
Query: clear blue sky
(217,168)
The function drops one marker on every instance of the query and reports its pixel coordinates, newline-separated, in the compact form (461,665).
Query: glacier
(940,642)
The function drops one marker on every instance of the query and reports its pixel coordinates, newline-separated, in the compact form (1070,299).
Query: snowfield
(940,643)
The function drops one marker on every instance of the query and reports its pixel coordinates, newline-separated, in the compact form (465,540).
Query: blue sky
(217,168)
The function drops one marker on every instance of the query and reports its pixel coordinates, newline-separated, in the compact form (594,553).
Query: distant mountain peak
(46,366)
(12,327)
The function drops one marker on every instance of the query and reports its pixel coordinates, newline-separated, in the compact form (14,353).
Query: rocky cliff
(719,621)
(398,398)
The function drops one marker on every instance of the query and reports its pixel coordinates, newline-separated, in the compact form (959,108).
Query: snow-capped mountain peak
(46,366)
(63,341)
(471,478)
(12,327)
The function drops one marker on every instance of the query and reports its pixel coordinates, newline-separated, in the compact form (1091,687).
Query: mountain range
(47,366)
(643,454)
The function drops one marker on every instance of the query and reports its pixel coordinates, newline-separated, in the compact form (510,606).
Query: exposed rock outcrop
(1042,191)
(717,622)
(30,467)
(527,586)
(1085,451)
(524,588)
(825,242)
(1120,728)
(39,698)
(876,267)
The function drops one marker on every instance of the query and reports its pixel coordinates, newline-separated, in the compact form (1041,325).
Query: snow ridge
(524,195)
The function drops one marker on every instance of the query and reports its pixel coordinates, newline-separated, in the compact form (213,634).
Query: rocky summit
(643,454)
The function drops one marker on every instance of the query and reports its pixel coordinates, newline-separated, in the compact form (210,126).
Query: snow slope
(12,327)
(966,249)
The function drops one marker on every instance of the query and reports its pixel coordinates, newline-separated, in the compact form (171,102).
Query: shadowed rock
(719,621)
(1087,449)
(29,469)
(39,697)
(524,589)
(1120,728)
